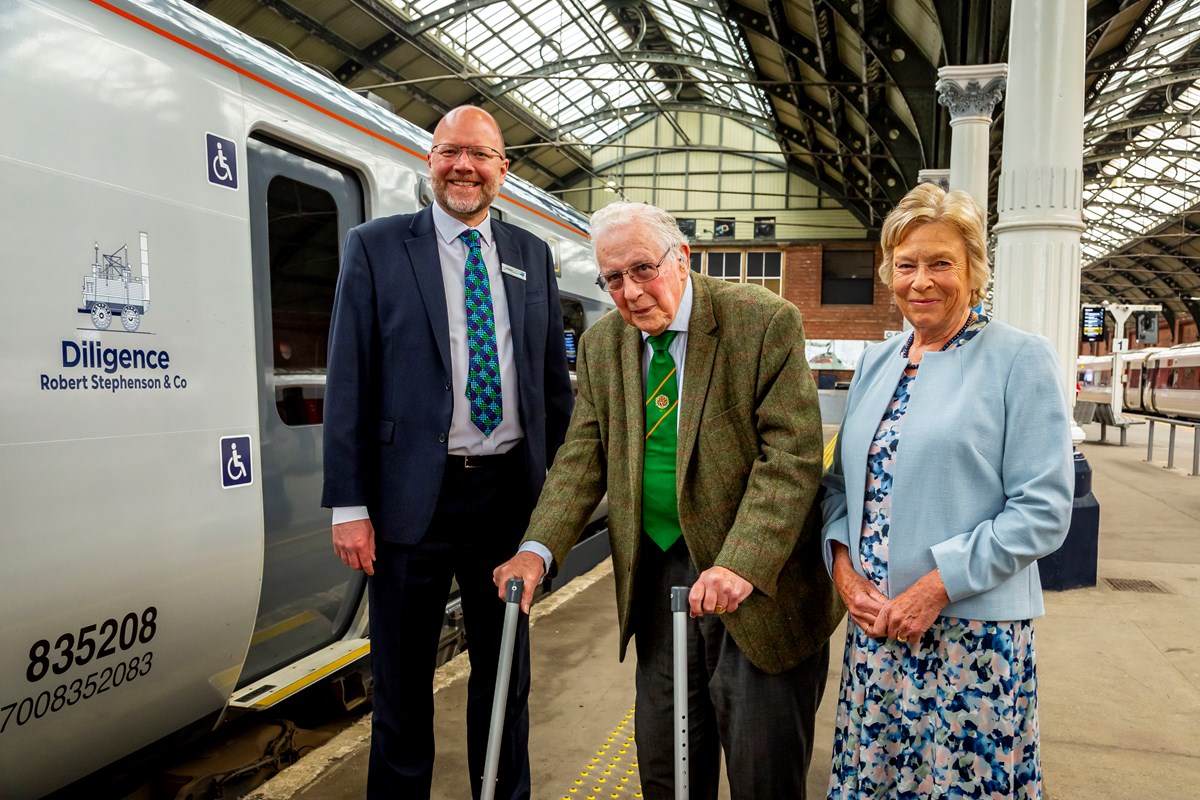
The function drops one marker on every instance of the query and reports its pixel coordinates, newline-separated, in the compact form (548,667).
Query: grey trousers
(763,722)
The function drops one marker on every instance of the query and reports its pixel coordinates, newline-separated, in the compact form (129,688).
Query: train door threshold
(279,686)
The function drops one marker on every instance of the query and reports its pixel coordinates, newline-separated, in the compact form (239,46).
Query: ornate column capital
(972,90)
(939,176)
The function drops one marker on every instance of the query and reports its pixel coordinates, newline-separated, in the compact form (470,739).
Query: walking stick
(679,609)
(491,763)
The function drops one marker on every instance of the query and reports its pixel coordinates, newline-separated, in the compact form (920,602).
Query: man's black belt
(481,462)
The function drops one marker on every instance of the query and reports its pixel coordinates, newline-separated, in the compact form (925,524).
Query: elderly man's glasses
(640,273)
(480,154)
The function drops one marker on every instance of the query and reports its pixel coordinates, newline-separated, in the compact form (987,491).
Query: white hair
(662,225)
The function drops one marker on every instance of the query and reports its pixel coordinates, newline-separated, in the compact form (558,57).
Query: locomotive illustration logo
(113,290)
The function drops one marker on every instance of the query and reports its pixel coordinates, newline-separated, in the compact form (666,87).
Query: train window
(573,325)
(302,226)
(496,213)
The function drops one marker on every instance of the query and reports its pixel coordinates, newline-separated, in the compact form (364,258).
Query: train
(1157,381)
(165,563)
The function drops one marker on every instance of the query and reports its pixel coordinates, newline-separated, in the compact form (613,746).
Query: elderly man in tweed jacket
(710,453)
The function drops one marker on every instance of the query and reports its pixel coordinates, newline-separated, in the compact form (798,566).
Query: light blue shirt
(464,438)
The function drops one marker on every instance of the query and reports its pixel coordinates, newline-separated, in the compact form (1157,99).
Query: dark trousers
(480,517)
(763,722)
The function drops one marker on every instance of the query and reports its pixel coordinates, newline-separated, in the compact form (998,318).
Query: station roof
(845,87)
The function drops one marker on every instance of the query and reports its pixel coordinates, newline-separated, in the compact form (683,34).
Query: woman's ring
(720,609)
(902,640)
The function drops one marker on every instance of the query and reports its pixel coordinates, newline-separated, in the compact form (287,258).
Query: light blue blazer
(983,478)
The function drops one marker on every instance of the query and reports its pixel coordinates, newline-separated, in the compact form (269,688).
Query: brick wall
(802,285)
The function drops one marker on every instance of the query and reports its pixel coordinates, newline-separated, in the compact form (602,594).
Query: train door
(1149,385)
(300,211)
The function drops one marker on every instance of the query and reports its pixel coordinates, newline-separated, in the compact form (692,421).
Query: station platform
(1118,669)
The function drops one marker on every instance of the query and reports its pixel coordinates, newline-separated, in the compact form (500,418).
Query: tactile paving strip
(612,772)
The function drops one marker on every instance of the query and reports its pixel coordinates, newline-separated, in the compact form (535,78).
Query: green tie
(660,507)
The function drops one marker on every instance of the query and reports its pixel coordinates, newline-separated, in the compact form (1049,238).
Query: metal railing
(1175,423)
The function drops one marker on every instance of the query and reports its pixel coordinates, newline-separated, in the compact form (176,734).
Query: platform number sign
(222,162)
(237,468)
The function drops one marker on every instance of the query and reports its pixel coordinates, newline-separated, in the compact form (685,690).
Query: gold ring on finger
(720,609)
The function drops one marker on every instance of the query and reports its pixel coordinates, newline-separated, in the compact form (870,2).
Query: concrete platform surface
(1118,670)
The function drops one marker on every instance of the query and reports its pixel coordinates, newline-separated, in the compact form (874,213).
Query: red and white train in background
(1158,381)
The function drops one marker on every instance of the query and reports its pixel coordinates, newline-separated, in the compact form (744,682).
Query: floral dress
(953,716)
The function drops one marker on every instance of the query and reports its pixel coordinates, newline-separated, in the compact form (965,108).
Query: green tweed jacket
(748,470)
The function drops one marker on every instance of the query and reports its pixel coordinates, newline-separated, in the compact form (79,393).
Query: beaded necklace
(904,352)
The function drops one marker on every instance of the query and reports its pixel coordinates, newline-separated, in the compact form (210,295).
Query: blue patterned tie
(483,364)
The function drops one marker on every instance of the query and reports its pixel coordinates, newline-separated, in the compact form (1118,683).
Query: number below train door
(300,211)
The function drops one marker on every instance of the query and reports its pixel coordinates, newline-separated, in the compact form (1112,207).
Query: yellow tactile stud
(597,768)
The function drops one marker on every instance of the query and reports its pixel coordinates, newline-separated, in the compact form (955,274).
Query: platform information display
(1092,323)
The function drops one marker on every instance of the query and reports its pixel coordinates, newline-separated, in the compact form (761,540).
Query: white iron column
(971,93)
(1040,218)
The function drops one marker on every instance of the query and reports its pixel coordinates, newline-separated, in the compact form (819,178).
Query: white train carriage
(1155,380)
(164,553)
(1172,382)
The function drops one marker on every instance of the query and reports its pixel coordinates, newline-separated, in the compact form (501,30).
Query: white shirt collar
(450,228)
(682,314)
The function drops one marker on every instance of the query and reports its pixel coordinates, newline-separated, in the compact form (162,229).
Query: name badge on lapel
(519,274)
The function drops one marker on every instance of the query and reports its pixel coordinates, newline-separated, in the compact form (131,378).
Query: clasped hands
(905,617)
(717,591)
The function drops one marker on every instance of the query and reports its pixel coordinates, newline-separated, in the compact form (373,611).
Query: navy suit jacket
(389,395)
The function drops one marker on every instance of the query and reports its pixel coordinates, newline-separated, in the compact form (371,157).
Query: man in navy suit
(447,397)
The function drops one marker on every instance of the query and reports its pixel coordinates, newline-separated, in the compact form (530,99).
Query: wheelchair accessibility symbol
(236,469)
(222,161)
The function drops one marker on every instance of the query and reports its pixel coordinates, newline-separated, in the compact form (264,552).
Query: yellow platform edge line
(283,693)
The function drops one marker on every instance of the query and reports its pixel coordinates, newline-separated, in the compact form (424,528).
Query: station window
(726,266)
(763,268)
(848,277)
(766,270)
(303,235)
(697,260)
